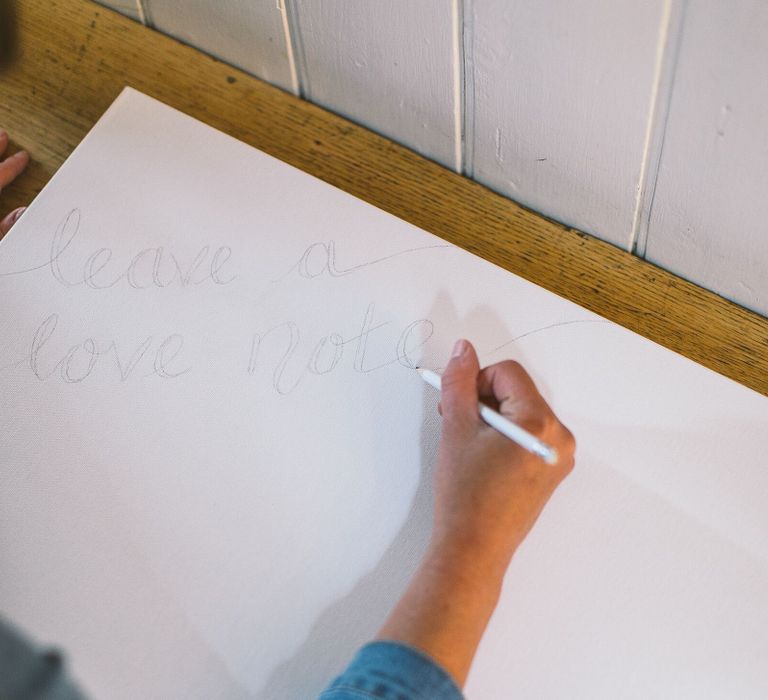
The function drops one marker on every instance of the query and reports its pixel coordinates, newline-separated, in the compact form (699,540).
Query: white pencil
(505,426)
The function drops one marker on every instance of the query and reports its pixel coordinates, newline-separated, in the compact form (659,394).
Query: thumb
(459,393)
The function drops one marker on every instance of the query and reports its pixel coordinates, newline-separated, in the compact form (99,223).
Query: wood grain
(77,56)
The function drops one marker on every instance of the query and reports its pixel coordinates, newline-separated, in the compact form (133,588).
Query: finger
(3,141)
(510,387)
(458,396)
(10,220)
(12,166)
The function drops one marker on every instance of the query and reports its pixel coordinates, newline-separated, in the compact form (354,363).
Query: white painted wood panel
(130,8)
(387,65)
(249,34)
(709,219)
(558,106)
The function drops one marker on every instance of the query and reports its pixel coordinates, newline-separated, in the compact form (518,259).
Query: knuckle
(509,367)
(545,425)
(536,424)
(568,439)
(567,449)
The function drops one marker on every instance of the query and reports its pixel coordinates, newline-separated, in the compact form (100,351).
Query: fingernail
(18,214)
(459,349)
(19,154)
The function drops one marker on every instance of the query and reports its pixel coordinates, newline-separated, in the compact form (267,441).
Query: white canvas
(215,455)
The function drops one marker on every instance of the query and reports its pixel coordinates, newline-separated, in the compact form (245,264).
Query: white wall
(250,35)
(645,124)
(561,105)
(381,68)
(709,220)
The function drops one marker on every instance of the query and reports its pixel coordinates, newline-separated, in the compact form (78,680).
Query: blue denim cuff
(392,671)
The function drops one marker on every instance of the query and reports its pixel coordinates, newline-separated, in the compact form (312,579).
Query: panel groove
(295,46)
(670,38)
(143,10)
(467,112)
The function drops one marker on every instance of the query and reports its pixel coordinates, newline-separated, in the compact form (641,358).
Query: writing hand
(489,490)
(488,493)
(10,169)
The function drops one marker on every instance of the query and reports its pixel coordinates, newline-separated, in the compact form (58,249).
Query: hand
(10,169)
(489,491)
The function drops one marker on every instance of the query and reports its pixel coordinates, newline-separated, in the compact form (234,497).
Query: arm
(488,494)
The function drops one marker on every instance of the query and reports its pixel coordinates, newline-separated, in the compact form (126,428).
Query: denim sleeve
(392,671)
(27,673)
